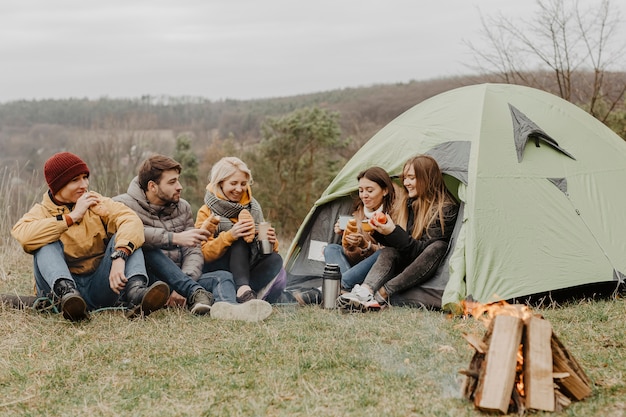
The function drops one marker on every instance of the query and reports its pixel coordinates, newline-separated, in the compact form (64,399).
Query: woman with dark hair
(415,246)
(358,249)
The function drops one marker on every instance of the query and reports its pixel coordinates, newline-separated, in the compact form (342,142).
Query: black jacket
(409,247)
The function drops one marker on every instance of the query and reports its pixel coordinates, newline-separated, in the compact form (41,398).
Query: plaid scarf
(229,210)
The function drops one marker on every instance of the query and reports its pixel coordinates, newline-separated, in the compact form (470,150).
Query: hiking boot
(141,300)
(247,296)
(200,302)
(307,297)
(252,310)
(360,299)
(72,304)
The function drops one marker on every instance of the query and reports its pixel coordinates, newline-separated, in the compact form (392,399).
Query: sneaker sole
(200,309)
(74,308)
(355,306)
(253,310)
(349,305)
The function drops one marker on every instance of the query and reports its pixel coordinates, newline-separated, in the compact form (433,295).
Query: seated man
(86,247)
(172,247)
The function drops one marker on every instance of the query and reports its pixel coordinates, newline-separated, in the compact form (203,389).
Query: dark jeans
(395,273)
(237,260)
(161,268)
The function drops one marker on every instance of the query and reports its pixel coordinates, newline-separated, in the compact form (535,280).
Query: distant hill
(32,130)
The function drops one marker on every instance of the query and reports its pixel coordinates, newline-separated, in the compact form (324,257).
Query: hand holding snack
(211,223)
(350,229)
(382,223)
(380,217)
(354,240)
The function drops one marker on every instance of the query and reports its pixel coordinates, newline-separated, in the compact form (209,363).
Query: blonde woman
(234,245)
(415,247)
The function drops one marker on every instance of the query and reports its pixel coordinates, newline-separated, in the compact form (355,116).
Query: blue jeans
(49,266)
(220,284)
(161,267)
(350,275)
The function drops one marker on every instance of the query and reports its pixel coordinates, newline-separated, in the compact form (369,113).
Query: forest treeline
(294,145)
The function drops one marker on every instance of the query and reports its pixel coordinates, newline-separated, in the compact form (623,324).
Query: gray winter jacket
(160,222)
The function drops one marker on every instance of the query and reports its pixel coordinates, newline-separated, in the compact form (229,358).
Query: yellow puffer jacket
(84,242)
(216,246)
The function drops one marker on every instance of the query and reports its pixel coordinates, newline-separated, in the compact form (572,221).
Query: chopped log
(472,374)
(495,384)
(577,385)
(475,342)
(538,381)
(561,401)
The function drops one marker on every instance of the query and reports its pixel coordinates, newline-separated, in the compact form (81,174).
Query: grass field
(301,361)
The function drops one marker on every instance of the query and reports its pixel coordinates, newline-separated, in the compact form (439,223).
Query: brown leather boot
(141,300)
(72,304)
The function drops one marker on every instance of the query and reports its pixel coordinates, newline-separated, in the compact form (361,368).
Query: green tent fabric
(541,182)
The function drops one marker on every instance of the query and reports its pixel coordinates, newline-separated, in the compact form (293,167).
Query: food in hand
(366,226)
(380,217)
(244,215)
(350,228)
(211,223)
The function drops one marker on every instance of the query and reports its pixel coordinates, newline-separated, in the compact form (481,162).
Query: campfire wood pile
(520,364)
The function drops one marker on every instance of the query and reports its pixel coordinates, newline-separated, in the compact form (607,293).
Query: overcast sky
(238,49)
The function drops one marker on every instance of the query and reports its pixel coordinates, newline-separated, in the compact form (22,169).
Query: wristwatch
(119,254)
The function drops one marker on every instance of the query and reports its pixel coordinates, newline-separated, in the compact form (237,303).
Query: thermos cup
(264,243)
(331,284)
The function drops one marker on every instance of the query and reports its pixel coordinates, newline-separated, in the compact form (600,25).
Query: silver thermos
(331,283)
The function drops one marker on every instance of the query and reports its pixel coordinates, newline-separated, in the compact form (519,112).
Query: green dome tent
(542,186)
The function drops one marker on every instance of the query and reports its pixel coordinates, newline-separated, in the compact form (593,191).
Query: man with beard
(172,245)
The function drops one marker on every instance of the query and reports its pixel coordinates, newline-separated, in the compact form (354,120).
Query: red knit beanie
(61,167)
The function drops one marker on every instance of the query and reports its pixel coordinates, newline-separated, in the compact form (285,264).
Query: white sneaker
(359,299)
(253,310)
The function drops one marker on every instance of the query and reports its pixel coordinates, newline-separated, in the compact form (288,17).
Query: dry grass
(301,361)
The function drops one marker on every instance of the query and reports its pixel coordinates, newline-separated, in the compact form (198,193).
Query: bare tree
(572,52)
(114,153)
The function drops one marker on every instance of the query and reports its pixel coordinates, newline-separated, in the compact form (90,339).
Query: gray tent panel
(561,184)
(525,129)
(453,158)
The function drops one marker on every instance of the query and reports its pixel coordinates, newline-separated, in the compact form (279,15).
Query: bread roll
(244,215)
(350,228)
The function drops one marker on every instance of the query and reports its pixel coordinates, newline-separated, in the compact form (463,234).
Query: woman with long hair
(415,246)
(358,249)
